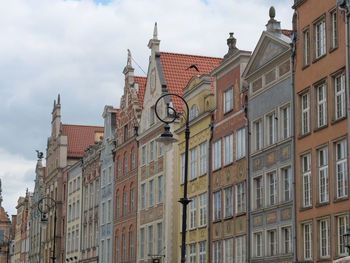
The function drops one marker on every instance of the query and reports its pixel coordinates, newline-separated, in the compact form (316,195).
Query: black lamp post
(44,208)
(166,137)
(346,238)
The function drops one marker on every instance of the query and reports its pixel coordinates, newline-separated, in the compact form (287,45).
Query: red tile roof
(142,86)
(177,73)
(79,137)
(287,32)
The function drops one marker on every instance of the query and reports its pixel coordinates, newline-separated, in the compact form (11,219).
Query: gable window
(152,115)
(203,158)
(217,155)
(333,23)
(193,112)
(341,169)
(228,100)
(228,149)
(306,176)
(306,47)
(258,134)
(323,175)
(285,123)
(193,163)
(339,96)
(271,128)
(320,38)
(321,100)
(240,143)
(305,113)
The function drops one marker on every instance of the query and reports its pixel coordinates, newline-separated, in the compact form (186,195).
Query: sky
(78,49)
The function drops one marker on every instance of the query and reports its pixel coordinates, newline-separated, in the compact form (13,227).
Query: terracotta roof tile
(142,86)
(79,137)
(176,73)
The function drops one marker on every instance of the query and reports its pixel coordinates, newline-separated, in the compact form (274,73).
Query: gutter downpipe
(211,127)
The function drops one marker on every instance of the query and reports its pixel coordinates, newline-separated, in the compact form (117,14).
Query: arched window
(193,112)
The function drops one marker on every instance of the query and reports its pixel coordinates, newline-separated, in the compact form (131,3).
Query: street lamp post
(44,209)
(166,137)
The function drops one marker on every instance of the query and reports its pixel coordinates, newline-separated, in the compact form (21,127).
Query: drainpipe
(211,127)
(246,118)
(294,209)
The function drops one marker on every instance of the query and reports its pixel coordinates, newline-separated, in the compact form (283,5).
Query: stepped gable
(142,86)
(79,137)
(177,73)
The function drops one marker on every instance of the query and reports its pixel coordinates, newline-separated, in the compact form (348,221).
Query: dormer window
(193,112)
(228,100)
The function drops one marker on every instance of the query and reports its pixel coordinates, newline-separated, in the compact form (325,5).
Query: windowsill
(228,217)
(336,200)
(333,49)
(240,158)
(203,226)
(240,214)
(321,204)
(217,220)
(303,135)
(227,112)
(228,164)
(320,57)
(192,179)
(323,259)
(216,169)
(203,174)
(321,128)
(305,66)
(305,208)
(338,120)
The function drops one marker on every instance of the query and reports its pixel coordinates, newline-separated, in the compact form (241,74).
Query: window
(306,47)
(123,247)
(193,112)
(131,245)
(68,243)
(240,143)
(285,123)
(271,129)
(323,175)
(182,168)
(103,213)
(321,94)
(228,100)
(78,208)
(333,29)
(228,250)
(217,206)
(203,158)
(217,154)
(202,209)
(152,115)
(142,243)
(160,189)
(143,196)
(193,212)
(258,135)
(108,249)
(286,177)
(240,249)
(228,149)
(126,133)
(132,200)
(151,151)
(339,96)
(192,253)
(110,174)
(306,170)
(272,188)
(117,249)
(125,165)
(272,242)
(159,238)
(324,238)
(193,163)
(144,155)
(341,169)
(228,202)
(286,240)
(119,169)
(305,113)
(133,160)
(320,38)
(151,193)
(202,252)
(103,182)
(160,148)
(258,244)
(150,240)
(117,206)
(342,225)
(217,251)
(109,211)
(124,203)
(240,198)
(259,192)
(102,251)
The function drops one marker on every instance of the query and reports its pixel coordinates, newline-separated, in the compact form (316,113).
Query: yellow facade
(198,95)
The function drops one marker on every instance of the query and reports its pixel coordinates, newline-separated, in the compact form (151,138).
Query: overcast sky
(79,49)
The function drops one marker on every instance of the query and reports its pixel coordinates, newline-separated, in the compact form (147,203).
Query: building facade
(271,165)
(126,163)
(321,130)
(228,186)
(6,235)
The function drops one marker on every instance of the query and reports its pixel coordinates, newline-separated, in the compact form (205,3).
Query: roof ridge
(182,54)
(140,77)
(82,125)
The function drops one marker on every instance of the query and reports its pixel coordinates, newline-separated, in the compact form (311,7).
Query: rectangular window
(240,143)
(109,209)
(182,168)
(144,155)
(240,198)
(306,175)
(306,47)
(160,189)
(228,250)
(108,254)
(151,151)
(203,158)
(324,238)
(159,238)
(334,29)
(217,206)
(202,258)
(110,174)
(150,240)
(321,105)
(125,165)
(323,175)
(272,188)
(228,100)
(151,193)
(143,196)
(259,192)
(217,155)
(217,251)
(193,212)
(271,129)
(131,245)
(320,38)
(123,247)
(119,169)
(272,242)
(339,96)
(103,213)
(192,253)
(133,166)
(117,249)
(152,115)
(258,242)
(228,202)
(240,249)
(305,113)
(258,134)
(142,243)
(193,163)
(126,133)
(342,225)
(202,209)
(132,200)
(286,240)
(228,149)
(117,206)
(286,177)
(103,182)
(341,169)
(103,251)
(285,124)
(124,203)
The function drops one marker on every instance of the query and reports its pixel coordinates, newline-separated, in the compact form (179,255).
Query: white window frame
(273,187)
(192,252)
(144,157)
(228,202)
(286,233)
(228,100)
(285,122)
(339,97)
(258,134)
(202,203)
(323,180)
(342,222)
(341,169)
(203,158)
(333,29)
(143,196)
(324,239)
(151,193)
(306,179)
(305,113)
(217,251)
(217,154)
(259,192)
(160,188)
(216,206)
(151,151)
(193,213)
(240,143)
(228,250)
(228,149)
(202,254)
(287,182)
(193,163)
(272,242)
(258,244)
(271,128)
(240,198)
(320,38)
(306,47)
(182,163)
(240,249)
(142,243)
(321,105)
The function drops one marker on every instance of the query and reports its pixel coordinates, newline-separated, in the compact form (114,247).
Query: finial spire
(155,31)
(273,25)
(58,99)
(128,63)
(231,43)
(272,13)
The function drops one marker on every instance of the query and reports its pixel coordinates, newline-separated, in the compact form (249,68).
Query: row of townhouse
(267,160)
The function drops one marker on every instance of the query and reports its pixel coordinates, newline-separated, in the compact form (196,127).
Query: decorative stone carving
(271,218)
(257,220)
(270,158)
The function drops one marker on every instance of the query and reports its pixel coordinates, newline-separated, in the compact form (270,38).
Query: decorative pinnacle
(128,63)
(231,42)
(272,13)
(155,31)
